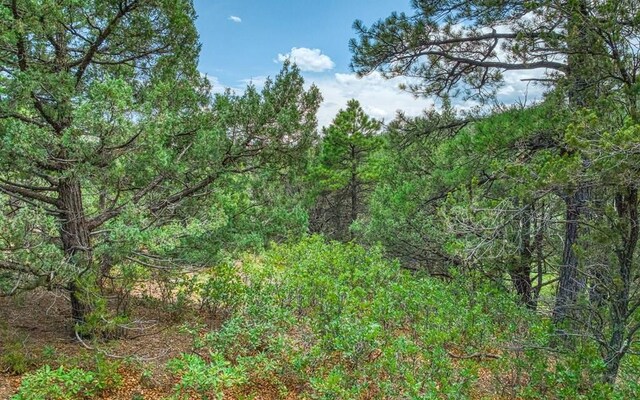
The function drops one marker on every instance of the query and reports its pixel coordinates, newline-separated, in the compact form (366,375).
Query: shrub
(207,379)
(15,358)
(341,321)
(332,320)
(57,384)
(106,373)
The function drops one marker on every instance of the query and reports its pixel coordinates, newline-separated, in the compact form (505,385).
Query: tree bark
(354,188)
(521,274)
(570,283)
(627,208)
(538,249)
(76,243)
(580,94)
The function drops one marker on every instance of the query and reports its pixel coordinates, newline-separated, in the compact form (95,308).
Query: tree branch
(14,189)
(102,36)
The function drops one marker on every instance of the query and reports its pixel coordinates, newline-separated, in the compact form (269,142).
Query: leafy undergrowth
(324,320)
(319,320)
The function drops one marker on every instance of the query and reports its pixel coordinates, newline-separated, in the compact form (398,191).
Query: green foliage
(350,323)
(106,373)
(92,375)
(217,292)
(122,149)
(15,358)
(57,384)
(452,50)
(16,352)
(206,379)
(403,211)
(346,145)
(344,171)
(120,167)
(496,191)
(339,321)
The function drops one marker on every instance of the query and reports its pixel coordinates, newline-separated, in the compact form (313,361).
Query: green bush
(341,321)
(106,373)
(207,379)
(216,291)
(15,358)
(332,320)
(57,384)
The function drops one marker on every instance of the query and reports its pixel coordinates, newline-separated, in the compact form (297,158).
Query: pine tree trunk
(580,96)
(521,274)
(538,250)
(75,235)
(627,208)
(570,283)
(354,188)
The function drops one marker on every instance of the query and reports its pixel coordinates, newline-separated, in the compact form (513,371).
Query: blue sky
(246,40)
(234,50)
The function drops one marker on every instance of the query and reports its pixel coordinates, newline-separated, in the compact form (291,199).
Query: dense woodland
(485,253)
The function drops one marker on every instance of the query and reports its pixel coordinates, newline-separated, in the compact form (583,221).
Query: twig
(481,356)
(115,356)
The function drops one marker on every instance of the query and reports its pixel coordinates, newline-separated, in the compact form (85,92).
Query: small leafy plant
(57,384)
(206,379)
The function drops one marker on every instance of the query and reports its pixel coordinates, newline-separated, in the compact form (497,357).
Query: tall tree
(466,47)
(404,203)
(344,171)
(587,52)
(107,130)
(80,83)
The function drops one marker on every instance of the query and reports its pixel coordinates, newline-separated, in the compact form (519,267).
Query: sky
(247,40)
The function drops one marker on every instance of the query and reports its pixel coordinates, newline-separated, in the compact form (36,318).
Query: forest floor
(35,330)
(311,320)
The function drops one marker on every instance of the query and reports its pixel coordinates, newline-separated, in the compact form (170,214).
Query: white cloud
(311,60)
(379,97)
(257,81)
(218,87)
(235,19)
(522,86)
(382,99)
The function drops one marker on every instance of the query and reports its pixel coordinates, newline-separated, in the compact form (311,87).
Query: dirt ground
(39,323)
